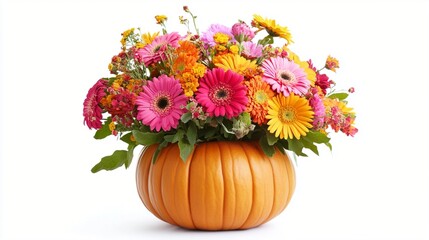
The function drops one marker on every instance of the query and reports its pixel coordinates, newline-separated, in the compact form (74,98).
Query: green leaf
(209,132)
(104,131)
(148,138)
(309,145)
(111,162)
(271,139)
(317,137)
(268,150)
(127,138)
(191,133)
(185,149)
(130,154)
(186,117)
(179,135)
(339,96)
(162,145)
(266,40)
(169,138)
(296,146)
(329,145)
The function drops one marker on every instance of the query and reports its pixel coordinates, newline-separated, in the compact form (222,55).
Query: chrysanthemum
(222,93)
(155,51)
(208,36)
(272,28)
(285,76)
(92,111)
(237,64)
(259,92)
(252,50)
(289,117)
(161,103)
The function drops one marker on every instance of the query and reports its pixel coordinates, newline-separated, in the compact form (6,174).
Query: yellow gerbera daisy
(147,38)
(237,64)
(272,28)
(289,117)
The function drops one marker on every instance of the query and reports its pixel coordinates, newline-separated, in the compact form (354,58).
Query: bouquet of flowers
(225,84)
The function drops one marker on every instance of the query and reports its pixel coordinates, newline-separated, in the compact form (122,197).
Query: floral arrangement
(222,84)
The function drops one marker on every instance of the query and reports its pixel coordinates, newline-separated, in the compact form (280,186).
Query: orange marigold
(259,92)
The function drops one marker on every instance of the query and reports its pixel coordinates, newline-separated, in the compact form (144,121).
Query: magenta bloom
(155,51)
(252,50)
(161,103)
(316,104)
(242,32)
(285,76)
(222,93)
(208,36)
(92,111)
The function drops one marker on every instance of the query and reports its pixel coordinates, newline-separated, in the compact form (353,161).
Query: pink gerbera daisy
(161,103)
(92,111)
(222,93)
(155,51)
(252,50)
(285,76)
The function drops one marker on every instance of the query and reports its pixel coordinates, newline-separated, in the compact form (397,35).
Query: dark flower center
(286,77)
(220,95)
(162,103)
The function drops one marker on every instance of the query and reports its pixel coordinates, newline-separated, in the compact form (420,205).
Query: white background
(372,186)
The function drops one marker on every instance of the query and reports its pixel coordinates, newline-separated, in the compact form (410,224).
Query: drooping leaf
(329,145)
(104,131)
(148,138)
(191,133)
(317,137)
(162,145)
(309,145)
(268,150)
(185,149)
(127,138)
(271,139)
(296,146)
(339,96)
(179,135)
(117,159)
(130,154)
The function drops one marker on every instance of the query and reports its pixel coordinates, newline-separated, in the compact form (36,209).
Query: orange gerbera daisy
(259,92)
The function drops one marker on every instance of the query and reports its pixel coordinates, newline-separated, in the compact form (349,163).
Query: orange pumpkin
(222,185)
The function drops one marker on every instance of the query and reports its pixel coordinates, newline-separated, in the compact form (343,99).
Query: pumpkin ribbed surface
(222,185)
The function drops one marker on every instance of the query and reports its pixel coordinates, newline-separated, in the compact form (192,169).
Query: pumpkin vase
(221,186)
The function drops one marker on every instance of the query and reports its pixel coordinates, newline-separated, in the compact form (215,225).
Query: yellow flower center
(287,114)
(261,97)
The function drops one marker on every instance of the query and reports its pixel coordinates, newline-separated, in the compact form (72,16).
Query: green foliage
(117,159)
(104,131)
(339,96)
(148,138)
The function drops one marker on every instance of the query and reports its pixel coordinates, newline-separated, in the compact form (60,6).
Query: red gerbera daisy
(92,111)
(222,93)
